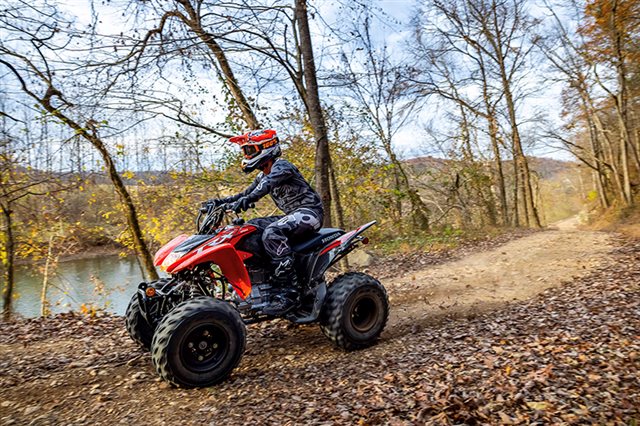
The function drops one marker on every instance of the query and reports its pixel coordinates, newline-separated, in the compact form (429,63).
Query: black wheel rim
(204,348)
(364,313)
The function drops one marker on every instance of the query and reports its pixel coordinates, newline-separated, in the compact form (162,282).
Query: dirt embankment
(469,341)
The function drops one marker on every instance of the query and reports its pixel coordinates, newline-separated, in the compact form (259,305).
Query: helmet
(258,147)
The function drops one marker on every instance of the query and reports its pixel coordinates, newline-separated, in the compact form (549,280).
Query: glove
(242,205)
(212,203)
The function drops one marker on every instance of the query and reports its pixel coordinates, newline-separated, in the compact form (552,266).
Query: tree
(259,33)
(593,62)
(314,109)
(613,32)
(18,183)
(490,39)
(35,76)
(380,91)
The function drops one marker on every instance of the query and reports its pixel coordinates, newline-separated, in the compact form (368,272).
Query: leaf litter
(570,355)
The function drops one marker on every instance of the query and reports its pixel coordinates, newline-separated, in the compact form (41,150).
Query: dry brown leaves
(569,356)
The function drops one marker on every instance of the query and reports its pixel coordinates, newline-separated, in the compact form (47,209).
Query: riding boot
(285,280)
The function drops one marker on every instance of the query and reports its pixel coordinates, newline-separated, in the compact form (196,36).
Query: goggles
(253,150)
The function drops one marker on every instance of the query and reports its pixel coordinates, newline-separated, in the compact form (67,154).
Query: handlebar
(213,216)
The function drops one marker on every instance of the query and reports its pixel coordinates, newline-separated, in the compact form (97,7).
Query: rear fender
(167,248)
(230,263)
(337,249)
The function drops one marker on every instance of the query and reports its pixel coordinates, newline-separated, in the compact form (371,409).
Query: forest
(457,125)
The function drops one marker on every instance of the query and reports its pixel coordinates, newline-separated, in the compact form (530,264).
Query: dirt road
(517,270)
(79,371)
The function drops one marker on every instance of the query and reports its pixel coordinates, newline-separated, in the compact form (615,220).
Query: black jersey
(288,189)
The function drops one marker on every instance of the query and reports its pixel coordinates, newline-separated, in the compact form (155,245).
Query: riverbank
(92,252)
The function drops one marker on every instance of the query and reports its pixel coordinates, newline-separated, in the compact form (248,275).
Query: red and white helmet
(258,147)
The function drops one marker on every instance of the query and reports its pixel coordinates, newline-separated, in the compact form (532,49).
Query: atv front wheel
(198,343)
(355,311)
(137,326)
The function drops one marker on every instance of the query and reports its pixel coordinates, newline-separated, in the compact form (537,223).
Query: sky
(545,99)
(391,30)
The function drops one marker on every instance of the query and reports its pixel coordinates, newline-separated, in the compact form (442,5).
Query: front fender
(229,261)
(167,248)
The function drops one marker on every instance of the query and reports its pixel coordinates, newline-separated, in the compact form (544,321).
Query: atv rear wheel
(355,311)
(199,343)
(137,326)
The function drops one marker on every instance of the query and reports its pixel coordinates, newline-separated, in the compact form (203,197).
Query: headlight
(170,259)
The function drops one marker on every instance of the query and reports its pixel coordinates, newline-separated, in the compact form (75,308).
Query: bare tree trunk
(502,191)
(600,178)
(398,195)
(599,172)
(335,196)
(125,198)
(597,183)
(323,156)
(626,178)
(7,295)
(44,305)
(607,152)
(523,166)
(523,185)
(516,194)
(229,78)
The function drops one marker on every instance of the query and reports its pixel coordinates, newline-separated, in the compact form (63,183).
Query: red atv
(219,280)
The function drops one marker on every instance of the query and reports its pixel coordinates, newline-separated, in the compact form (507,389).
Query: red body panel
(338,242)
(244,255)
(221,251)
(227,258)
(167,248)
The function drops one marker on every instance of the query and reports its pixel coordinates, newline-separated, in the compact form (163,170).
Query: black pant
(278,230)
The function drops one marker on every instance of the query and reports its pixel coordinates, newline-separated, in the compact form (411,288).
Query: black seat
(312,241)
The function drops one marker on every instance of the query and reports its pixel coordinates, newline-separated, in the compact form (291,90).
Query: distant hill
(546,168)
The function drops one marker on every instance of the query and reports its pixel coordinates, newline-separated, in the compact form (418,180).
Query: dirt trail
(517,270)
(91,373)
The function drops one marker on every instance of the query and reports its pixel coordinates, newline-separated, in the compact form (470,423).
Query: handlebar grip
(252,205)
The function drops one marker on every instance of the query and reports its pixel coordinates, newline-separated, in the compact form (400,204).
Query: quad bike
(193,322)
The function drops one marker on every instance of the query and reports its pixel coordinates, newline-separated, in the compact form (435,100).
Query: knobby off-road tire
(199,343)
(138,328)
(355,311)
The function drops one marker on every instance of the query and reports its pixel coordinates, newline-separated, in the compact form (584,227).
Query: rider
(292,194)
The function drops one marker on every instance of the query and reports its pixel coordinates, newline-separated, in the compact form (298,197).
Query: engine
(261,295)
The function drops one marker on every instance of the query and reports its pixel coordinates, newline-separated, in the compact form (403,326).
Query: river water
(105,282)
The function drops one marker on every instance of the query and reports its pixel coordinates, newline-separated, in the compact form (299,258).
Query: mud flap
(321,294)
